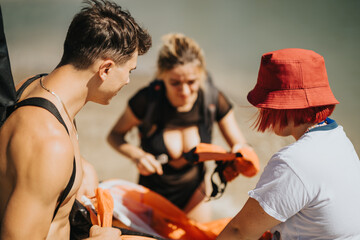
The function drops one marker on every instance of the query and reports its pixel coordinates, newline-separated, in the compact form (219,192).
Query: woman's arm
(145,162)
(231,131)
(250,223)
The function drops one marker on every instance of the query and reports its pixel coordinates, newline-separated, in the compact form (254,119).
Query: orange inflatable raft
(138,208)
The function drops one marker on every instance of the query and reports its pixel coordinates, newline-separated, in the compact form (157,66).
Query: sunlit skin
(31,183)
(116,76)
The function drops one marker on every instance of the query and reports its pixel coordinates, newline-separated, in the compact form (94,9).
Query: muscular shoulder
(41,151)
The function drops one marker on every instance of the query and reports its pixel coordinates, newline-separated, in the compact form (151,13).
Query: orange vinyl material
(247,164)
(165,218)
(104,207)
(266,236)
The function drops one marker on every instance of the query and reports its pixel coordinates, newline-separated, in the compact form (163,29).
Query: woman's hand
(236,147)
(147,165)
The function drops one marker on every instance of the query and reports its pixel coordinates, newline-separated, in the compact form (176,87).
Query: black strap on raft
(80,224)
(219,185)
(7,88)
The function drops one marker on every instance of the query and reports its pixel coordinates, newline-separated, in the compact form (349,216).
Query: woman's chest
(180,140)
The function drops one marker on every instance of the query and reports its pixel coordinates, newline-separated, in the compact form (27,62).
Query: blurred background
(233,34)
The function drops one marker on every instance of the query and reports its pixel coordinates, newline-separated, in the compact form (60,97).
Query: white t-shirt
(313,187)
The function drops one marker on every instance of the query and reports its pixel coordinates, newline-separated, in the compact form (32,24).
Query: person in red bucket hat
(309,189)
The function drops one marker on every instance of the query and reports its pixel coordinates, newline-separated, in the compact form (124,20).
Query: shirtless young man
(39,159)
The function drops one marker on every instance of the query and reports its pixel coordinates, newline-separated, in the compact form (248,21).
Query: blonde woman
(174,114)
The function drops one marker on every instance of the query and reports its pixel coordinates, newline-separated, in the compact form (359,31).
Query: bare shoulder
(40,155)
(41,151)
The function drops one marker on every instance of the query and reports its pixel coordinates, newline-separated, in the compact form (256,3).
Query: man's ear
(105,68)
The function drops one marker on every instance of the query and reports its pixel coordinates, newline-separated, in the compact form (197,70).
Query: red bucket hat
(291,79)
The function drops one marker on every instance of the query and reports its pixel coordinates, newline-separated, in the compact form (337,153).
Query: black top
(166,115)
(177,185)
(139,104)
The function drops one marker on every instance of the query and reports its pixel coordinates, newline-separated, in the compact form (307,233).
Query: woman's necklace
(62,103)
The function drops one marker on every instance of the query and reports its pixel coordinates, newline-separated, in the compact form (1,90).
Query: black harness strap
(46,104)
(8,97)
(66,190)
(26,84)
(43,103)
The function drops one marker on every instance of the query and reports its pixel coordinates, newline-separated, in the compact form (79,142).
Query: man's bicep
(40,179)
(27,216)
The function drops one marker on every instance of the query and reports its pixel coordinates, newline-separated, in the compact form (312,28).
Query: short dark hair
(103,30)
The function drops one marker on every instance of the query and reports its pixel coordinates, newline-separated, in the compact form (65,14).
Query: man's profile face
(119,76)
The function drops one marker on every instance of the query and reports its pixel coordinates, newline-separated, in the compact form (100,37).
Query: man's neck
(70,85)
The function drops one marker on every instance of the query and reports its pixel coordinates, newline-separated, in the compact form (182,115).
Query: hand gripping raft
(229,165)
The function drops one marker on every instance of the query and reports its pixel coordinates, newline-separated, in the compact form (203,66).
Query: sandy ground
(95,121)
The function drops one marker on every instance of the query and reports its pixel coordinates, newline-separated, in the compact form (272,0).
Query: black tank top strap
(27,83)
(67,189)
(43,103)
(46,104)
